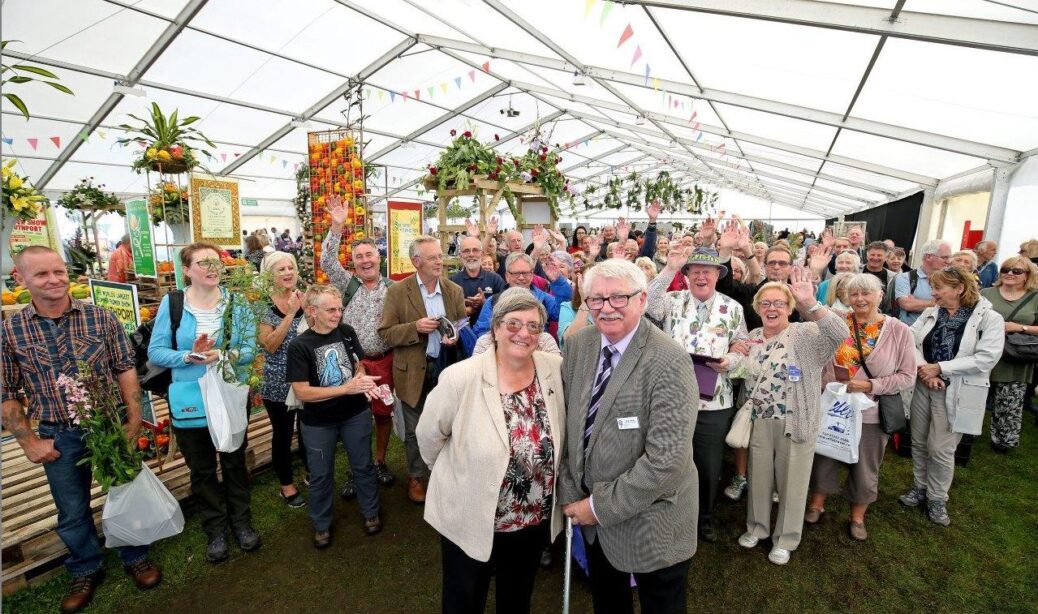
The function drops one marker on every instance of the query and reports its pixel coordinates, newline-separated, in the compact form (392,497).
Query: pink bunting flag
(486,66)
(417,94)
(295,167)
(33,143)
(625,36)
(472,75)
(637,56)
(223,157)
(404,94)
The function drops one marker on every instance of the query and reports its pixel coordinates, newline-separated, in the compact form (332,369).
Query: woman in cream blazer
(492,432)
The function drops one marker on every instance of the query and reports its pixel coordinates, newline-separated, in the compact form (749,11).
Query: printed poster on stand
(403,225)
(215,211)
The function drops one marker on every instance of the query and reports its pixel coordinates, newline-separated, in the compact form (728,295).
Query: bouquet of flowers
(90,197)
(94,404)
(20,198)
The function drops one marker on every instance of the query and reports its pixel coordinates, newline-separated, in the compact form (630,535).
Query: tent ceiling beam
(991,35)
(132,78)
(465,106)
(332,96)
(604,76)
(738,136)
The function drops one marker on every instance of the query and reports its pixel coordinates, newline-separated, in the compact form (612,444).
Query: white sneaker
(774,497)
(736,487)
(747,540)
(779,556)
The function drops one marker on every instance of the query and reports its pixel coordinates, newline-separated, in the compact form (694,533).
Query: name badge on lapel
(627,423)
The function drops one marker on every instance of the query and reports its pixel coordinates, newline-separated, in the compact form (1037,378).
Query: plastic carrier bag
(140,512)
(226,410)
(841,423)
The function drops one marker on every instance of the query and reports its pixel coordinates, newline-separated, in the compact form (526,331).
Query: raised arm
(337,274)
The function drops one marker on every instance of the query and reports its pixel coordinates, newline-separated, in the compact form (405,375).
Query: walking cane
(568,566)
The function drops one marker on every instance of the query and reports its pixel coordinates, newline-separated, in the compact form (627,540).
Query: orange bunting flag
(56,140)
(486,66)
(627,34)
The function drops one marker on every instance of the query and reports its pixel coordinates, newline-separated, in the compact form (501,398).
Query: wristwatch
(816,307)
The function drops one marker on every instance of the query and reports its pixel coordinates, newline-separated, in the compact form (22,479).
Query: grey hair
(510,260)
(863,282)
(417,244)
(512,300)
(932,247)
(969,254)
(615,268)
(854,255)
(316,291)
(737,263)
(563,258)
(272,259)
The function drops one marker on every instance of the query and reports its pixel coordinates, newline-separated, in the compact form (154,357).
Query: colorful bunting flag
(236,155)
(430,90)
(284,163)
(472,75)
(33,143)
(655,83)
(625,36)
(607,7)
(102,134)
(587,7)
(404,94)
(457,81)
(392,96)
(8,141)
(646,73)
(223,157)
(486,66)
(637,56)
(417,94)
(443,87)
(381,95)
(56,140)
(83,136)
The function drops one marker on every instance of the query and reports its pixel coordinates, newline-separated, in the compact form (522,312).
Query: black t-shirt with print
(324,361)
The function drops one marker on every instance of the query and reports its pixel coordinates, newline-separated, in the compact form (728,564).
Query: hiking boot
(373,525)
(82,591)
(384,475)
(913,498)
(322,539)
(938,512)
(415,490)
(216,549)
(145,574)
(248,539)
(736,488)
(349,488)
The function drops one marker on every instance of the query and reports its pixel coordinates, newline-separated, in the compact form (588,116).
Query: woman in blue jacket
(201,330)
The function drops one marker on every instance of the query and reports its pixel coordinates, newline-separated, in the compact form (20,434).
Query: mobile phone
(197,356)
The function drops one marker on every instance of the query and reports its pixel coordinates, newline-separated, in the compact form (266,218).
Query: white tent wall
(1019,223)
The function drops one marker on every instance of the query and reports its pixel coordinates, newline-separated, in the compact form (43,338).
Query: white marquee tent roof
(822,107)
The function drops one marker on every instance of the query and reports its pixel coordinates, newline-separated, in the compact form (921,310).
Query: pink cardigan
(892,363)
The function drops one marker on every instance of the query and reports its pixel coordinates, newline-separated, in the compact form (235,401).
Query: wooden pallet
(32,551)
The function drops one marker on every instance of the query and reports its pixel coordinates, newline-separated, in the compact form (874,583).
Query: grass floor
(986,561)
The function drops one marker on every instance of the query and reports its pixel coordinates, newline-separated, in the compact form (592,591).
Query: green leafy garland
(304,213)
(636,191)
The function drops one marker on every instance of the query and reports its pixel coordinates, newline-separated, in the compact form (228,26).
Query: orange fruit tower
(336,168)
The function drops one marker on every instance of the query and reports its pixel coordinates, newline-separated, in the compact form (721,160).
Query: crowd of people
(596,378)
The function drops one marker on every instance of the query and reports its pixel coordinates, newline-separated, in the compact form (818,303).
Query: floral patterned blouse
(847,352)
(526,491)
(275,388)
(771,356)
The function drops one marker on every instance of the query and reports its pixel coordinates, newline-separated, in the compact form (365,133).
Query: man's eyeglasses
(514,326)
(521,273)
(1013,271)
(777,263)
(775,304)
(617,301)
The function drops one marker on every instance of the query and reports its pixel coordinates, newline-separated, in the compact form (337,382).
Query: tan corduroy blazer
(463,437)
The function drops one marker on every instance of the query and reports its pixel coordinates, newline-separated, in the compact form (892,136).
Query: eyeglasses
(777,263)
(1014,271)
(617,301)
(775,304)
(514,326)
(521,273)
(211,264)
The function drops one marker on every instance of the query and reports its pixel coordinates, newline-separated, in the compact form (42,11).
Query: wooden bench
(32,550)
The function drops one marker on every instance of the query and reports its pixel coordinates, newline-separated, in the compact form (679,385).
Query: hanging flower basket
(168,143)
(89,197)
(171,167)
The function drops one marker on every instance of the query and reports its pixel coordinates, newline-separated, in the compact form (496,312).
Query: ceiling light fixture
(125,90)
(579,78)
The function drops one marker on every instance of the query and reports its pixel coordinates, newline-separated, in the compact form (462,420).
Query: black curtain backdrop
(897,220)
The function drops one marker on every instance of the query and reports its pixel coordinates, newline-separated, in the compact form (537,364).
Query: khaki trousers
(776,463)
(933,443)
(862,477)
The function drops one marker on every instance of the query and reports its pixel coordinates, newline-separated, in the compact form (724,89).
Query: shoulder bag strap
(1027,299)
(857,342)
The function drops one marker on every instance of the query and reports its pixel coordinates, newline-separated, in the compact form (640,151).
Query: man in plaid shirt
(47,338)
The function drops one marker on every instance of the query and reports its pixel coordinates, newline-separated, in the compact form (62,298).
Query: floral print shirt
(526,491)
(364,311)
(770,356)
(847,352)
(275,386)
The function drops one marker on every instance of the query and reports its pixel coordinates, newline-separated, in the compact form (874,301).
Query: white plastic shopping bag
(140,512)
(841,423)
(226,410)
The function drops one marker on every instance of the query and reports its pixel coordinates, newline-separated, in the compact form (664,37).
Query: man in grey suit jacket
(627,477)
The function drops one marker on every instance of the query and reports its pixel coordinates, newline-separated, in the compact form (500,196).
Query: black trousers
(513,560)
(708,454)
(284,424)
(221,505)
(663,591)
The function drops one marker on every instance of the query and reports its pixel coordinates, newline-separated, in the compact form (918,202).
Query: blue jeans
(70,486)
(355,434)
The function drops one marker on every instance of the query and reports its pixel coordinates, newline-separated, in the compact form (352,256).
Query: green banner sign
(138,222)
(120,299)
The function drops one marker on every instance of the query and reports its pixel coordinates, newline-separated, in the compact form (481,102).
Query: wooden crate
(32,551)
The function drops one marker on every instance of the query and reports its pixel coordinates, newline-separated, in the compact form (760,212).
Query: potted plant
(88,197)
(168,203)
(20,199)
(170,143)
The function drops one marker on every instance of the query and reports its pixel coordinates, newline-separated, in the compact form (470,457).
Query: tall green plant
(166,138)
(19,79)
